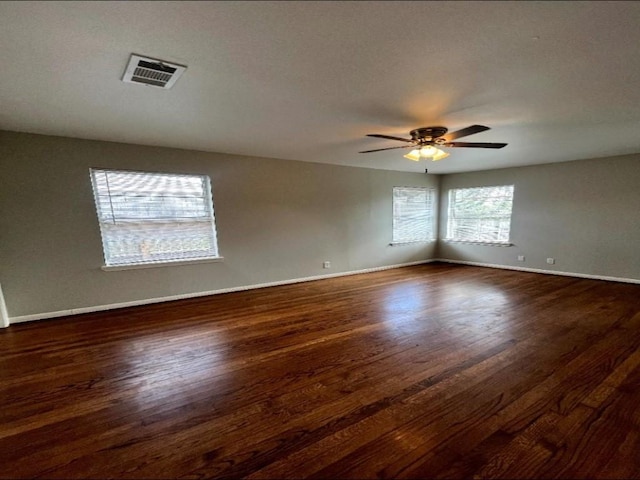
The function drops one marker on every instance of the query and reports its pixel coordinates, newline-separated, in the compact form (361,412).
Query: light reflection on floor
(475,305)
(160,369)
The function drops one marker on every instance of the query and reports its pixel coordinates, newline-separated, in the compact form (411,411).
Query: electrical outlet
(326,265)
(551,261)
(521,258)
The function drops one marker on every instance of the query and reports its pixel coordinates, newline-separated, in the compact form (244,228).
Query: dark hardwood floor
(433,371)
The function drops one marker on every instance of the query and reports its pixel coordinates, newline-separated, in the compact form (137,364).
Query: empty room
(278,240)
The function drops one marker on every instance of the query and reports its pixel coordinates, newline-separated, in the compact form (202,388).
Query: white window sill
(395,244)
(488,244)
(169,263)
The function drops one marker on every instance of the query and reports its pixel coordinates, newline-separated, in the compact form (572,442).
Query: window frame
(207,198)
(493,242)
(431,201)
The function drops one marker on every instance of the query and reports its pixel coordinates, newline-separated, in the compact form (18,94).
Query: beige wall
(585,214)
(276,220)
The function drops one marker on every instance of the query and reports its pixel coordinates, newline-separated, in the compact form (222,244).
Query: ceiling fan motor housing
(428,134)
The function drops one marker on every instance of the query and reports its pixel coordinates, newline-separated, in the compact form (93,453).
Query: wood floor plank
(432,371)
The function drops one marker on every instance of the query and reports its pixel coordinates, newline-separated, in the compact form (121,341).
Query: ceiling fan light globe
(433,153)
(429,151)
(440,155)
(413,155)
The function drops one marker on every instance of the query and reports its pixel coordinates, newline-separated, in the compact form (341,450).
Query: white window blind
(481,214)
(413,214)
(148,218)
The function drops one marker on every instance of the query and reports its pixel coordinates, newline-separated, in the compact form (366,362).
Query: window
(413,209)
(481,214)
(151,218)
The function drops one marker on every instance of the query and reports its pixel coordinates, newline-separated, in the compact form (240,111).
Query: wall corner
(4,315)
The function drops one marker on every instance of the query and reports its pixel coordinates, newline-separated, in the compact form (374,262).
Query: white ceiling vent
(151,71)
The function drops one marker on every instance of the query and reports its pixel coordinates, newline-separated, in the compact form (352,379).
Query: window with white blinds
(413,214)
(148,218)
(480,214)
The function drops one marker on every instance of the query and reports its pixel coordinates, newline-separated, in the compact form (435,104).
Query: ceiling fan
(425,141)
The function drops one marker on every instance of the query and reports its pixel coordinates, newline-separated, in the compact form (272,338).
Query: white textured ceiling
(308,80)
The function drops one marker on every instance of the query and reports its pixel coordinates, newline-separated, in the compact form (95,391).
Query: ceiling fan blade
(389,137)
(465,131)
(390,148)
(474,145)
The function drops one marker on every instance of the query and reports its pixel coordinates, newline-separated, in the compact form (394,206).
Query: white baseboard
(147,301)
(5,320)
(539,270)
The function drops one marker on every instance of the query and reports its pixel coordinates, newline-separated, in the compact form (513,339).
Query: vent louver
(152,72)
